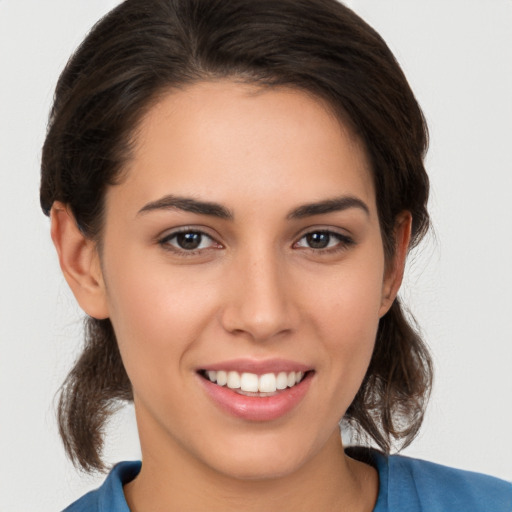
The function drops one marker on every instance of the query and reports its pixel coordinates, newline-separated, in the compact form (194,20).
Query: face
(243,245)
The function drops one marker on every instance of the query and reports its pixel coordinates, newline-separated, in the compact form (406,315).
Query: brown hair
(144,48)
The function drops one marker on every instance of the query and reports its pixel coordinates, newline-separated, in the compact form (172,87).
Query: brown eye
(324,240)
(188,241)
(318,240)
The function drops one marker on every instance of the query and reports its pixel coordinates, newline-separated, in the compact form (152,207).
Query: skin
(254,289)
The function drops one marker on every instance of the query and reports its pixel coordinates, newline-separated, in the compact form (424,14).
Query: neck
(330,480)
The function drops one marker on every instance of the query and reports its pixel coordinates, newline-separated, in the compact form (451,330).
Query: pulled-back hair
(145,48)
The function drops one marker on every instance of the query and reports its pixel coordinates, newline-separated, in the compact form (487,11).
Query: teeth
(222,378)
(233,380)
(267,383)
(281,381)
(251,382)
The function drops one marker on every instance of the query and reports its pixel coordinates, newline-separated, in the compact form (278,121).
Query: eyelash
(343,242)
(165,242)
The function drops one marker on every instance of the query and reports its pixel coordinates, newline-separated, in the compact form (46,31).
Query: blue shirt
(405,485)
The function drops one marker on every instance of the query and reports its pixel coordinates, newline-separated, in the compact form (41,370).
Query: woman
(233,188)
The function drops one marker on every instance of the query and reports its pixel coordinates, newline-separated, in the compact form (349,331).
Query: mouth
(256,391)
(254,385)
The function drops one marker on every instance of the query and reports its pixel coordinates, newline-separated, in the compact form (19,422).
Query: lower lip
(253,408)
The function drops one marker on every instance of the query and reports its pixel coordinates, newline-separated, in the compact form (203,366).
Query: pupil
(189,241)
(318,240)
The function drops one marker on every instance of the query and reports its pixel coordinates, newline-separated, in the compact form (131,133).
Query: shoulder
(109,497)
(438,488)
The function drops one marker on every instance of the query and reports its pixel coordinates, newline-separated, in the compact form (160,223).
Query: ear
(395,268)
(79,261)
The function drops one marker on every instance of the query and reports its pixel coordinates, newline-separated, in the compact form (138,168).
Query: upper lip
(259,367)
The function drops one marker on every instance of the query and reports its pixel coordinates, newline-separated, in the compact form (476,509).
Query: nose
(259,300)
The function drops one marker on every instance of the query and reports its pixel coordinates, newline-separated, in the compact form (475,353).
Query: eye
(188,241)
(324,239)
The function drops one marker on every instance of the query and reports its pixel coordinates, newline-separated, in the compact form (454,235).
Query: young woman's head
(233,188)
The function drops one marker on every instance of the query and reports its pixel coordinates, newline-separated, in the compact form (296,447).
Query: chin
(260,469)
(260,459)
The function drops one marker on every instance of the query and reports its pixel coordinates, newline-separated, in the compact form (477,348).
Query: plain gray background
(457,55)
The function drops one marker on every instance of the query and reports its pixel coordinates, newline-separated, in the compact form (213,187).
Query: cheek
(346,315)
(349,299)
(158,316)
(349,328)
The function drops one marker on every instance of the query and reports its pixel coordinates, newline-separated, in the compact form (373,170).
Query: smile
(256,390)
(253,384)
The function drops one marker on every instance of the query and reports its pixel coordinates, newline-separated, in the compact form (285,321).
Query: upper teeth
(251,382)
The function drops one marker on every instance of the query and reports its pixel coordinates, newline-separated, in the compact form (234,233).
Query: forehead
(225,138)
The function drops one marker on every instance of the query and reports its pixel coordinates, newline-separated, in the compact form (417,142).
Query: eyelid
(166,233)
(322,228)
(166,236)
(344,240)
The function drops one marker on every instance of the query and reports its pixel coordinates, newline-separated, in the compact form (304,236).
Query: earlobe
(79,261)
(395,268)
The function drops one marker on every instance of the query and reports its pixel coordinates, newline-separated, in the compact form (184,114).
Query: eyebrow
(171,202)
(187,204)
(327,206)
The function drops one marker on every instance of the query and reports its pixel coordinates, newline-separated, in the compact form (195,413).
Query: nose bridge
(259,302)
